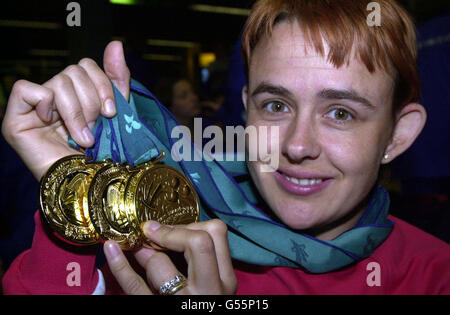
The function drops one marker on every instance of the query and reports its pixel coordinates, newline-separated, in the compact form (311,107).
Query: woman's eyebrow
(351,95)
(265,87)
(330,94)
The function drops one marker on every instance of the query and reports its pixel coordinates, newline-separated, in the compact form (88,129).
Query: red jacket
(409,261)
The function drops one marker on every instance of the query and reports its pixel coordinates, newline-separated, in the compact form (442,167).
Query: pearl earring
(386,156)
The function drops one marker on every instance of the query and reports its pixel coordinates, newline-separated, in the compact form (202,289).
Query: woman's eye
(276,107)
(340,115)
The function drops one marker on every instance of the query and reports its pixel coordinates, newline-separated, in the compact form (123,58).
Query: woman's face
(185,103)
(334,126)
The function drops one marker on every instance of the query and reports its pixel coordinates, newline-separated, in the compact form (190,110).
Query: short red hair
(342,24)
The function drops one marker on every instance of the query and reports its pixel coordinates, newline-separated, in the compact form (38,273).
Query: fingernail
(151,226)
(109,107)
(91,125)
(112,249)
(87,135)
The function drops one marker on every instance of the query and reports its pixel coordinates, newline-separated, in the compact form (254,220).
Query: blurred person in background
(179,96)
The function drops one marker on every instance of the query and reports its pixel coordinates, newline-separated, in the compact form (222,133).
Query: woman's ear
(409,124)
(244,96)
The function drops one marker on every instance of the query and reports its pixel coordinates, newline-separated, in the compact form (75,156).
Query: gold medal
(160,193)
(63,199)
(106,207)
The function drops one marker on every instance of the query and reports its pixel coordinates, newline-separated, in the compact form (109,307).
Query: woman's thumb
(116,68)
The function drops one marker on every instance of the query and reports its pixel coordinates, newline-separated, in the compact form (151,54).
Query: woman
(342,95)
(180,98)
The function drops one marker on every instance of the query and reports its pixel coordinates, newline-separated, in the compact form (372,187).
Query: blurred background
(188,51)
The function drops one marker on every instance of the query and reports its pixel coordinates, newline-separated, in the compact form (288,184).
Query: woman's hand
(39,118)
(206,251)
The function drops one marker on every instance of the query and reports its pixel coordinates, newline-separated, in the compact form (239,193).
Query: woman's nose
(301,142)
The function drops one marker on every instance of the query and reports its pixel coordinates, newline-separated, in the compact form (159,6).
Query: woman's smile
(301,183)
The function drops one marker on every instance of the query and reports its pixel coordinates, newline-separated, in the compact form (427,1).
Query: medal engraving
(161,193)
(62,198)
(106,206)
(164,195)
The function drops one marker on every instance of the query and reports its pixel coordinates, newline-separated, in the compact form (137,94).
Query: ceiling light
(171,43)
(220,10)
(30,24)
(124,2)
(161,57)
(206,58)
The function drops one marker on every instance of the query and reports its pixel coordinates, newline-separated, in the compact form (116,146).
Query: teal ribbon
(142,128)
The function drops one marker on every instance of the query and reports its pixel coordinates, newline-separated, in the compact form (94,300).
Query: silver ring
(173,286)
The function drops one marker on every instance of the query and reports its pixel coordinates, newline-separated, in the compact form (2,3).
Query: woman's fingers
(78,94)
(26,97)
(159,268)
(69,108)
(86,91)
(116,68)
(102,85)
(198,249)
(127,278)
(217,229)
(198,246)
